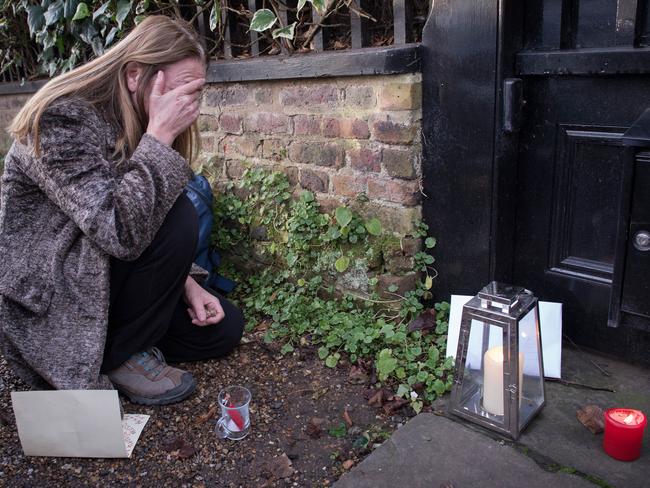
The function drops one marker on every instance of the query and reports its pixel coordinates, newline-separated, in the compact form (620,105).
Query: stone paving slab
(430,450)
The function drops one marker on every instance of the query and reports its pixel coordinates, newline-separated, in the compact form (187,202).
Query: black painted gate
(529,170)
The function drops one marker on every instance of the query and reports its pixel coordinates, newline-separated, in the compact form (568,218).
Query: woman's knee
(179,231)
(233,327)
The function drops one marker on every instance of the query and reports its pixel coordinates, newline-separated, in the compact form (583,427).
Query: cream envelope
(75,423)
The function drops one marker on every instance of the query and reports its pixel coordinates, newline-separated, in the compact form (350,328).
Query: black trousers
(146,304)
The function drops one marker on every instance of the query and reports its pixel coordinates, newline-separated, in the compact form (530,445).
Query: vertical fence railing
(402,27)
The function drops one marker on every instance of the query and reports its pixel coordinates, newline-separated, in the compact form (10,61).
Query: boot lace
(152,361)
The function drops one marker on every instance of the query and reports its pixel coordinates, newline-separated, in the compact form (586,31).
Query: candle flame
(629,419)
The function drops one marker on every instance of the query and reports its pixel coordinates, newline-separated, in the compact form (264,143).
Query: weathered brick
(306,125)
(291,171)
(226,96)
(275,149)
(360,96)
(328,154)
(386,129)
(267,123)
(245,145)
(354,129)
(399,163)
(213,165)
(329,203)
(411,246)
(400,96)
(331,127)
(208,144)
(365,159)
(235,169)
(231,123)
(208,123)
(396,191)
(302,96)
(393,218)
(404,283)
(345,185)
(263,96)
(316,181)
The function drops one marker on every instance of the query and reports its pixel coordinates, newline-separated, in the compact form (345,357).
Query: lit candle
(624,433)
(493,379)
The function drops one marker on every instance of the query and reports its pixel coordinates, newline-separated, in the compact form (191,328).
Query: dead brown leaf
(279,467)
(357,376)
(377,400)
(347,418)
(426,321)
(314,427)
(210,414)
(592,417)
(179,448)
(394,405)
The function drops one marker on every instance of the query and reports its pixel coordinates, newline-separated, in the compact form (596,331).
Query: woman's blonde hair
(157,41)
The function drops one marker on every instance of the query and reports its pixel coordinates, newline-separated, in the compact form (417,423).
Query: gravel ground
(296,402)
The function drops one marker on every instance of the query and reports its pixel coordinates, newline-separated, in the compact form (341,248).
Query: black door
(581,191)
(548,195)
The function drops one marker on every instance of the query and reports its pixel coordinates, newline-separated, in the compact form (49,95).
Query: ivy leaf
(343,216)
(428,282)
(100,11)
(342,264)
(123,10)
(319,5)
(287,348)
(403,390)
(82,12)
(323,352)
(307,196)
(331,361)
(393,288)
(54,12)
(338,431)
(301,4)
(215,16)
(142,7)
(386,364)
(70,8)
(417,406)
(111,36)
(262,20)
(430,242)
(35,18)
(97,45)
(286,32)
(373,226)
(439,387)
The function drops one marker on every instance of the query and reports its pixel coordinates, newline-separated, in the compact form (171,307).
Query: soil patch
(300,433)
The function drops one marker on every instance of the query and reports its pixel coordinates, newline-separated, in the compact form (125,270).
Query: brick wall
(9,107)
(353,140)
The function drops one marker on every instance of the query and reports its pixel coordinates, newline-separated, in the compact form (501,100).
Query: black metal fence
(353,24)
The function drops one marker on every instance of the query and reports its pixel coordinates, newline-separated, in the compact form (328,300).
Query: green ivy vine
(293,294)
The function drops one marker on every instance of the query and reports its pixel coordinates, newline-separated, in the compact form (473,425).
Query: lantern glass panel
(532,385)
(482,389)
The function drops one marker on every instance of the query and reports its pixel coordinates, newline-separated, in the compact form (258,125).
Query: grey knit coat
(62,215)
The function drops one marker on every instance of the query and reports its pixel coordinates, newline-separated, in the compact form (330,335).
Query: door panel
(573,199)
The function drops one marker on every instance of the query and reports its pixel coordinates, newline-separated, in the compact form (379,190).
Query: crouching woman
(97,238)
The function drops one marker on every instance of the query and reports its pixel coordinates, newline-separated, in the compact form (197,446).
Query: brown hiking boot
(146,378)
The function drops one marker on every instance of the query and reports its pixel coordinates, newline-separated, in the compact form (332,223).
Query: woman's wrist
(161,135)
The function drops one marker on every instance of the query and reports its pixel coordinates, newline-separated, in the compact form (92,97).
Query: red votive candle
(624,433)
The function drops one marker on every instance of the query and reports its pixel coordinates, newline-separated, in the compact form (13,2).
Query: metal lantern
(499,380)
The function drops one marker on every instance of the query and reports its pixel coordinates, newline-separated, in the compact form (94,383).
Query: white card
(550,323)
(75,423)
